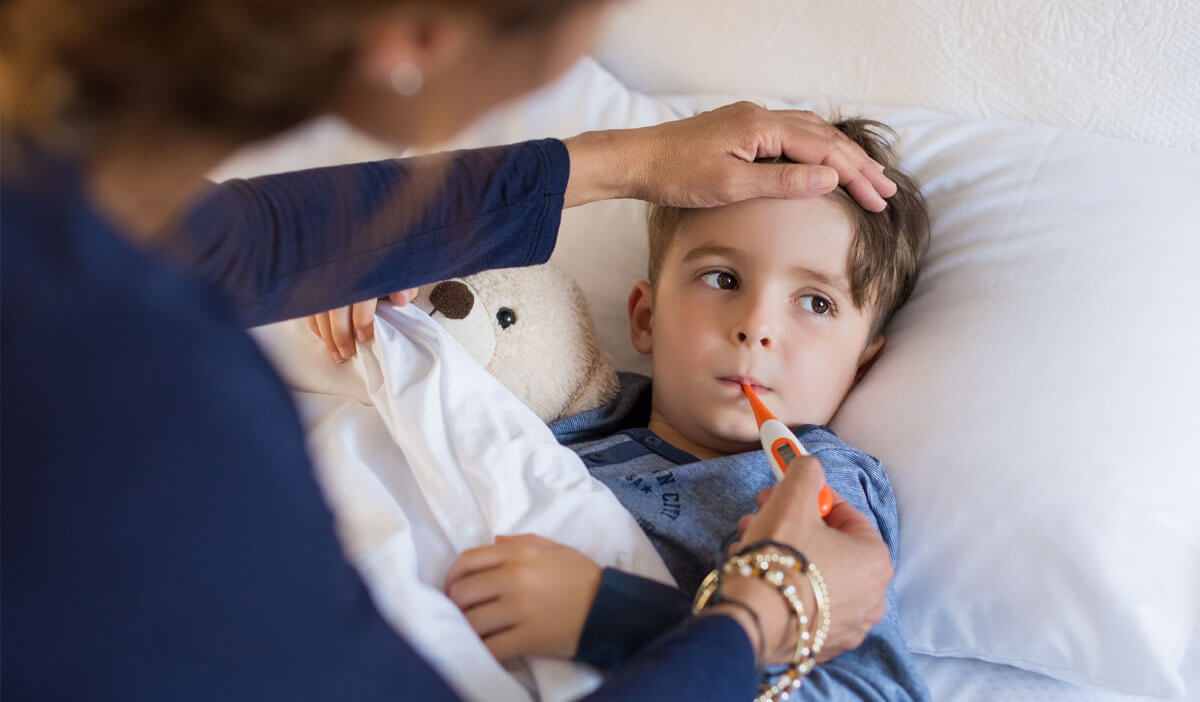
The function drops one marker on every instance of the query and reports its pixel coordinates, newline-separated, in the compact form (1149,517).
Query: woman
(163,536)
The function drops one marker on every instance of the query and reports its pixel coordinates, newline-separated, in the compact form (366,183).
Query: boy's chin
(739,441)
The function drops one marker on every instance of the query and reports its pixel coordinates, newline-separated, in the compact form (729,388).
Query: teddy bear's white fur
(531,329)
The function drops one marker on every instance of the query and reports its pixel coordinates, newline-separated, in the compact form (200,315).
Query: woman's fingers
(362,317)
(403,297)
(324,331)
(342,329)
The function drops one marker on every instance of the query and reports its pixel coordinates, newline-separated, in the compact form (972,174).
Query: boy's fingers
(491,618)
(763,495)
(474,589)
(311,321)
(506,644)
(474,560)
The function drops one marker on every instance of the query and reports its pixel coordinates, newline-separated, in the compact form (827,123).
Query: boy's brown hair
(886,252)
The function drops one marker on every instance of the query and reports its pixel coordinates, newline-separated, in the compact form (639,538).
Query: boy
(790,296)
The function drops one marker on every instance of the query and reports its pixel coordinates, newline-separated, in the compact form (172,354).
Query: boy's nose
(755,326)
(762,338)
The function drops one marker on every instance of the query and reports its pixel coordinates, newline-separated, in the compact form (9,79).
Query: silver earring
(406,78)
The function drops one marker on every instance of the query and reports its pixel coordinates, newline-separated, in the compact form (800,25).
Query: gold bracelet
(771,567)
(821,594)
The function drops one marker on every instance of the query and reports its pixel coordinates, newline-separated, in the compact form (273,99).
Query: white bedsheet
(421,455)
(972,680)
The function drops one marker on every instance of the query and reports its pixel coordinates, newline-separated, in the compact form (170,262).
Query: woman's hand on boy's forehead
(709,160)
(861,176)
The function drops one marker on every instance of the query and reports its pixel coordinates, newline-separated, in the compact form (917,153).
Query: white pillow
(1037,404)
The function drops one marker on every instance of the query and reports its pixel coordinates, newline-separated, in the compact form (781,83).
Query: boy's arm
(292,244)
(881,668)
(528,595)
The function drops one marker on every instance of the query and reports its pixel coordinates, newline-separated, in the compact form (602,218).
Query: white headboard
(1128,69)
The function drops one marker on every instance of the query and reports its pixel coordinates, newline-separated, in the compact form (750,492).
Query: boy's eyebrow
(712,250)
(839,282)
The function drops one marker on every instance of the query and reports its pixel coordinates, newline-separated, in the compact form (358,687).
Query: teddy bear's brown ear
(599,386)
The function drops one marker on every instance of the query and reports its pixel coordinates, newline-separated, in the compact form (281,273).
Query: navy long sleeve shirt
(163,535)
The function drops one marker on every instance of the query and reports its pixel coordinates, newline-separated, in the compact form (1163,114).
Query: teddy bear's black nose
(452,298)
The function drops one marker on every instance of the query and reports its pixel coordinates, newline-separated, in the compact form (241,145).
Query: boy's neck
(669,434)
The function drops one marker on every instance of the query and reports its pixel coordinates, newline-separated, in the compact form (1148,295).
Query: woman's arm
(628,613)
(291,244)
(704,658)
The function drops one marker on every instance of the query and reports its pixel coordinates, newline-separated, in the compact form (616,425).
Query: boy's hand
(526,595)
(339,328)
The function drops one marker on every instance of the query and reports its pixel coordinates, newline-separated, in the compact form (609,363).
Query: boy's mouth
(740,380)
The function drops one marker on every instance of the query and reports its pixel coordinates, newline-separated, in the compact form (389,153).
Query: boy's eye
(816,304)
(722,280)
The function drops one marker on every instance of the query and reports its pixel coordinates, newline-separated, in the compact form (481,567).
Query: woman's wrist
(779,627)
(604,166)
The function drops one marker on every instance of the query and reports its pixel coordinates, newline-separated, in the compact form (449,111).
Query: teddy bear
(530,328)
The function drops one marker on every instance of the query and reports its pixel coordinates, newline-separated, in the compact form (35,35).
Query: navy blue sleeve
(292,244)
(705,658)
(627,613)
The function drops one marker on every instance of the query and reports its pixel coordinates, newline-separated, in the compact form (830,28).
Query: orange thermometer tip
(761,413)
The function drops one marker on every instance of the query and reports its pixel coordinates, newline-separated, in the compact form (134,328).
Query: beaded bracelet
(752,562)
(770,543)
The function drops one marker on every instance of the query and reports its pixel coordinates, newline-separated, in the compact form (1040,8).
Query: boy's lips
(740,380)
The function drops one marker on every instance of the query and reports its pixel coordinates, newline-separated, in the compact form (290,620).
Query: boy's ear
(869,354)
(641,314)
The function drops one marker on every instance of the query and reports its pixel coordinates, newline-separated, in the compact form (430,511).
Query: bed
(1037,402)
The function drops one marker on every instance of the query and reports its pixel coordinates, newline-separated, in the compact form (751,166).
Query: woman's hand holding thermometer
(781,446)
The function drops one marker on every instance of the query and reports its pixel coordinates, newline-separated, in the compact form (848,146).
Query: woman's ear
(641,316)
(424,40)
(869,354)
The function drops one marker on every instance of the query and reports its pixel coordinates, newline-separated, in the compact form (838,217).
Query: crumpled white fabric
(422,454)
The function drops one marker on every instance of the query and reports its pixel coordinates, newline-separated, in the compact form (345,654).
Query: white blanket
(422,455)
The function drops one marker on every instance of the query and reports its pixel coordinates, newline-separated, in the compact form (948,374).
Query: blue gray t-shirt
(690,508)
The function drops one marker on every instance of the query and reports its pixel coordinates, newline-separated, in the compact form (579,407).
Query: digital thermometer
(781,446)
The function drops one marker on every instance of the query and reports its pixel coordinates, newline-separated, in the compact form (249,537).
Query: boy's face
(753,292)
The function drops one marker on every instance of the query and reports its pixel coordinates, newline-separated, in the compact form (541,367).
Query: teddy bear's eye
(506,317)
